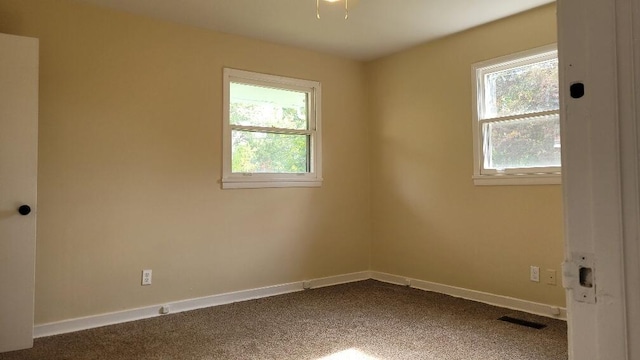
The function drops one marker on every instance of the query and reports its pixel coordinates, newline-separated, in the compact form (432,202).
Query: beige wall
(130,121)
(429,221)
(130,159)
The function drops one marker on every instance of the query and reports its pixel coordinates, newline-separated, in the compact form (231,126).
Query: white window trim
(313,178)
(537,176)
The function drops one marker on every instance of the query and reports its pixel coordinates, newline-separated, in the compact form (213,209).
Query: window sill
(524,179)
(257,184)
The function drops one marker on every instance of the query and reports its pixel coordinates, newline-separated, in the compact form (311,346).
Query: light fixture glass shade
(346,7)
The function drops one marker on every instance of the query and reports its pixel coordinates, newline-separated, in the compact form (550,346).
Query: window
(516,122)
(271,131)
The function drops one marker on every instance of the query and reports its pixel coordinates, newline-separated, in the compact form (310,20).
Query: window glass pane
(532,142)
(259,152)
(521,90)
(252,105)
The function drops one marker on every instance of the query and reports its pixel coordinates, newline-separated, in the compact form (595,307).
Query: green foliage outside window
(529,142)
(268,152)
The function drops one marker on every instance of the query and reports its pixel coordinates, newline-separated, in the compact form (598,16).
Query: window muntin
(262,106)
(516,117)
(271,131)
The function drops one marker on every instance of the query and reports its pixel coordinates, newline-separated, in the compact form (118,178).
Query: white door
(18,180)
(600,176)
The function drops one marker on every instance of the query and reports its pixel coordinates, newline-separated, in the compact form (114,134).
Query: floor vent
(523,322)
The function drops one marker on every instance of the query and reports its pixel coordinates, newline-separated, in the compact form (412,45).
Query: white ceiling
(375,28)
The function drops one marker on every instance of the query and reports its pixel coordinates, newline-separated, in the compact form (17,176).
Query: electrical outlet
(534,274)
(551,277)
(146,277)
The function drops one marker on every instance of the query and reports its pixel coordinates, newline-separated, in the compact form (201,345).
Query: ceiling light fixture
(346,7)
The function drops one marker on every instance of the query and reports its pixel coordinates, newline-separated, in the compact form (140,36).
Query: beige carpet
(364,320)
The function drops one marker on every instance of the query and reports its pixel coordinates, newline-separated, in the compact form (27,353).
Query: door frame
(600,174)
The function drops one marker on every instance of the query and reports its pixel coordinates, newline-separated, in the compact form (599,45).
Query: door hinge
(578,275)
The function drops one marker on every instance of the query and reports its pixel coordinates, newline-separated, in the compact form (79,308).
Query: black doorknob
(24,209)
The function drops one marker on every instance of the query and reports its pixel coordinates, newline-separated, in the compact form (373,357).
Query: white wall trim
(474,295)
(339,279)
(89,322)
(530,179)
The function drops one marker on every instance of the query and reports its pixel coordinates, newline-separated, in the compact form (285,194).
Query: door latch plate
(578,275)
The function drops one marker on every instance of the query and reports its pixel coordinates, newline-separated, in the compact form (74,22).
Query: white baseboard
(483,297)
(340,279)
(90,322)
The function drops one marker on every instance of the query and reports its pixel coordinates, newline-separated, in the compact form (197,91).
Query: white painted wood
(479,296)
(628,32)
(90,322)
(594,48)
(338,279)
(18,181)
(531,179)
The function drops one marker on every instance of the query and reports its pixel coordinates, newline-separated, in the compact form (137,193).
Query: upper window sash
(511,63)
(283,84)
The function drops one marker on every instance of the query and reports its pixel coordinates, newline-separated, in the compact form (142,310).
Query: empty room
(290,179)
